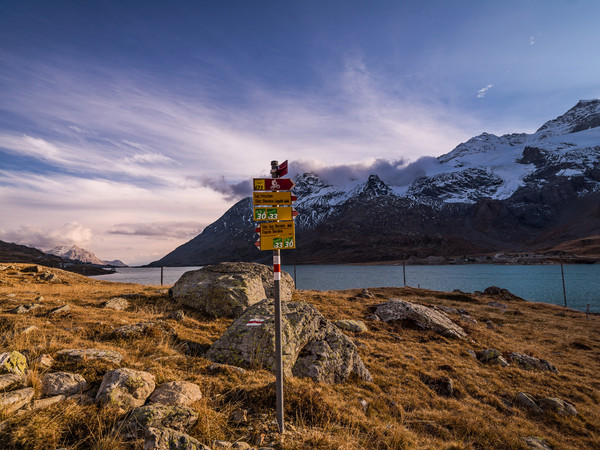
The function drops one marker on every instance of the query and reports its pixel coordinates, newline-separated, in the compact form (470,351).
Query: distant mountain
(510,193)
(77,253)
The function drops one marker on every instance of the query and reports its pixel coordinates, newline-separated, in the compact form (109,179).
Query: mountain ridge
(512,193)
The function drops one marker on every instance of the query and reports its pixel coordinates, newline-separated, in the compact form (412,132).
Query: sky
(128,126)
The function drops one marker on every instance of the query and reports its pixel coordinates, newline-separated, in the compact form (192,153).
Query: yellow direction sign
(263,213)
(272,198)
(277,243)
(277,235)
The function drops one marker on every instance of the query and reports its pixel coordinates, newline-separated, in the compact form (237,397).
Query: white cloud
(531,40)
(43,238)
(481,92)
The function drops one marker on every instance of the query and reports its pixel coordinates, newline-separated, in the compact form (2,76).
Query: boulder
(536,443)
(10,380)
(182,393)
(13,362)
(134,330)
(422,317)
(116,303)
(14,400)
(167,439)
(23,309)
(528,402)
(78,354)
(126,388)
(492,356)
(226,289)
(531,363)
(63,383)
(175,417)
(60,310)
(312,346)
(45,402)
(558,406)
(355,326)
(44,361)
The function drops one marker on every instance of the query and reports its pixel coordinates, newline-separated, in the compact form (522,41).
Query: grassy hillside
(403,407)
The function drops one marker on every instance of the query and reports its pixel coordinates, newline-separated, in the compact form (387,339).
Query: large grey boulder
(422,317)
(14,400)
(63,383)
(89,354)
(180,418)
(126,388)
(13,362)
(226,289)
(531,363)
(166,439)
(312,346)
(181,393)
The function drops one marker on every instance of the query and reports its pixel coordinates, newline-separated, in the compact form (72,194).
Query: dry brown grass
(402,410)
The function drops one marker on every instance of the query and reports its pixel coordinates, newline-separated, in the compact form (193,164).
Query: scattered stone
(221,444)
(374,318)
(45,402)
(134,330)
(44,361)
(536,443)
(312,346)
(181,393)
(441,385)
(13,362)
(78,354)
(116,303)
(527,401)
(22,309)
(471,353)
(531,363)
(27,330)
(468,319)
(365,294)
(227,289)
(216,367)
(178,315)
(32,269)
(126,388)
(364,404)
(497,305)
(175,417)
(558,406)
(502,293)
(448,309)
(63,383)
(422,317)
(166,439)
(492,356)
(60,310)
(355,326)
(10,380)
(12,401)
(241,445)
(239,416)
(491,325)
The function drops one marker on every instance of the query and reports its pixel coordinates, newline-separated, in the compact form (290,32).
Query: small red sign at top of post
(282,169)
(273,184)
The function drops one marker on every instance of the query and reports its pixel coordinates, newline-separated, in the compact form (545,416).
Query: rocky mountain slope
(77,253)
(511,193)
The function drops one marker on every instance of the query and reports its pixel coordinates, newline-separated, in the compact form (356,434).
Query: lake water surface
(541,283)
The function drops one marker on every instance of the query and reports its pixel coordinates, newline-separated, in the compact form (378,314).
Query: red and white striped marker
(276,267)
(255,322)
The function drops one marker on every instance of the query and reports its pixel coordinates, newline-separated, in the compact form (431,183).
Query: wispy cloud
(531,40)
(159,230)
(483,91)
(45,239)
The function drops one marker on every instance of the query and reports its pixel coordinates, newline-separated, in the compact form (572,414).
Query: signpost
(272,201)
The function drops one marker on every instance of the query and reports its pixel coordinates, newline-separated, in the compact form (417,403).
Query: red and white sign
(255,322)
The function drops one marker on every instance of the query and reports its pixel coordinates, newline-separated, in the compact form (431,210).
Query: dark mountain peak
(584,115)
(373,187)
(308,183)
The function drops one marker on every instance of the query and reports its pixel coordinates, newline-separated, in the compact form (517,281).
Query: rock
(441,385)
(166,439)
(241,445)
(365,294)
(50,278)
(216,367)
(44,361)
(22,309)
(502,293)
(221,444)
(134,330)
(536,443)
(13,362)
(60,310)
(312,346)
(27,330)
(116,303)
(239,416)
(531,363)
(78,354)
(471,353)
(126,388)
(374,318)
(497,305)
(491,325)
(10,380)
(448,309)
(527,401)
(226,289)
(14,400)
(46,402)
(422,317)
(558,406)
(63,383)
(175,417)
(488,355)
(178,315)
(355,326)
(468,319)
(181,393)
(32,269)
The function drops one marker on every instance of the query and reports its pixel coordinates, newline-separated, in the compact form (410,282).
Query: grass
(401,409)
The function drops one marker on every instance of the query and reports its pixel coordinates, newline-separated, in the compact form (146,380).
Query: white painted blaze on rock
(255,322)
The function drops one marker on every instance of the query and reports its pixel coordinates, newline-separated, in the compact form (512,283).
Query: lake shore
(428,391)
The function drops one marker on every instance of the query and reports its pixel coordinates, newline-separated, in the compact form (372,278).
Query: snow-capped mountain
(492,193)
(76,253)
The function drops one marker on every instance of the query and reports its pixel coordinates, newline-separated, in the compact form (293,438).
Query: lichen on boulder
(13,362)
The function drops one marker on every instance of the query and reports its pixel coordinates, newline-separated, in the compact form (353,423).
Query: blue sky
(124,124)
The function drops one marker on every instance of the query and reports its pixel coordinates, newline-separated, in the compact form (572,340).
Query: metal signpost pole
(278,351)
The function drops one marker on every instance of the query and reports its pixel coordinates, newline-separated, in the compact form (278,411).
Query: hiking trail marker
(273,210)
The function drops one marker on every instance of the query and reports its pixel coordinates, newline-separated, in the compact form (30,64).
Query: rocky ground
(94,364)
